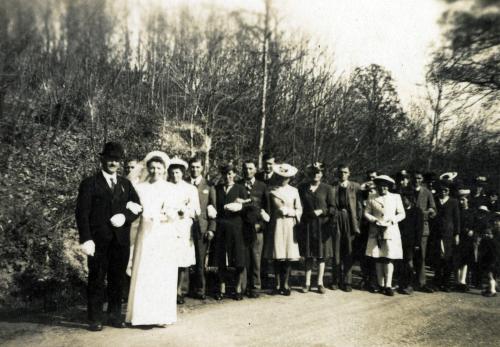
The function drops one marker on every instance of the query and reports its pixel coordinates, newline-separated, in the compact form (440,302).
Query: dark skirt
(316,238)
(464,252)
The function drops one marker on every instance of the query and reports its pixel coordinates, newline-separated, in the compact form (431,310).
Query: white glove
(233,207)
(211,212)
(118,220)
(265,217)
(134,207)
(88,247)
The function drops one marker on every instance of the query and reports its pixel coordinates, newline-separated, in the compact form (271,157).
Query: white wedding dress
(153,288)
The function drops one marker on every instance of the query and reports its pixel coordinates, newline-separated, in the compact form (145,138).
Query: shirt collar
(196,181)
(108,176)
(251,180)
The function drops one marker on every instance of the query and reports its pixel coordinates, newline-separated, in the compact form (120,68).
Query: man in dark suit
(255,217)
(267,175)
(348,208)
(106,206)
(203,228)
(424,202)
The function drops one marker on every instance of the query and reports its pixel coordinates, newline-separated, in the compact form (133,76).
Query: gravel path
(334,319)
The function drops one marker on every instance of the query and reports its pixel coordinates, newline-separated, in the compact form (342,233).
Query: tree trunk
(262,132)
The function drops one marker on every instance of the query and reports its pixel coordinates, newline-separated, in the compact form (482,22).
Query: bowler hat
(113,150)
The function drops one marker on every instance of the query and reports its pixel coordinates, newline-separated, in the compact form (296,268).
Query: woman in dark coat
(447,235)
(464,256)
(411,234)
(316,234)
(229,240)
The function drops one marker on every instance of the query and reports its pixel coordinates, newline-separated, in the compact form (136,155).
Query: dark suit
(270,182)
(446,227)
(347,221)
(201,225)
(253,230)
(268,242)
(424,201)
(96,204)
(229,238)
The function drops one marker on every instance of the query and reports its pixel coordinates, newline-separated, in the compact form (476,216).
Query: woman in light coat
(384,212)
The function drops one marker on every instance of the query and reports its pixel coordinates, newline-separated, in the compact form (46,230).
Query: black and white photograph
(249,173)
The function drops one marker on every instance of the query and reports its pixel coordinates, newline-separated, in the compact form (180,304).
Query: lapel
(101,181)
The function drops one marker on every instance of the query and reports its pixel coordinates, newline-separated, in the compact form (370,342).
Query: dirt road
(334,319)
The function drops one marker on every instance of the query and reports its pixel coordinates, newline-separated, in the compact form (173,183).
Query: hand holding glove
(118,220)
(233,207)
(211,212)
(265,217)
(134,207)
(209,235)
(318,212)
(88,247)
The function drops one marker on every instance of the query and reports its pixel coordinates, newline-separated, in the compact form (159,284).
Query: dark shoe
(286,292)
(252,294)
(445,289)
(489,294)
(305,289)
(333,287)
(275,291)
(389,291)
(373,289)
(117,323)
(180,299)
(200,296)
(321,290)
(219,296)
(406,291)
(464,288)
(347,288)
(95,326)
(426,289)
(238,296)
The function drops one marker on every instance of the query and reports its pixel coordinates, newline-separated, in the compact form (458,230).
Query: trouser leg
(347,261)
(420,262)
(97,265)
(257,248)
(118,256)
(201,247)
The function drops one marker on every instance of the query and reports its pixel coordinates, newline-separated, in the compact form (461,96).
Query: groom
(105,207)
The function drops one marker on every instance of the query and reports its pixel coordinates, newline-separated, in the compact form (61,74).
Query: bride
(153,288)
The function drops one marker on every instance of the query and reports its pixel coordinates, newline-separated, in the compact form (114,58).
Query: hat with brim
(448,176)
(481,180)
(113,150)
(178,162)
(383,179)
(483,208)
(285,170)
(463,192)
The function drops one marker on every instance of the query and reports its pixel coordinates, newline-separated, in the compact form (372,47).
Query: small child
(411,233)
(489,255)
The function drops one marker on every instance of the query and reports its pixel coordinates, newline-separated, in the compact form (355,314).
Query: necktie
(249,186)
(113,183)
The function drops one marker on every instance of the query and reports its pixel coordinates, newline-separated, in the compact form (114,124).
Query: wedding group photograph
(249,172)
